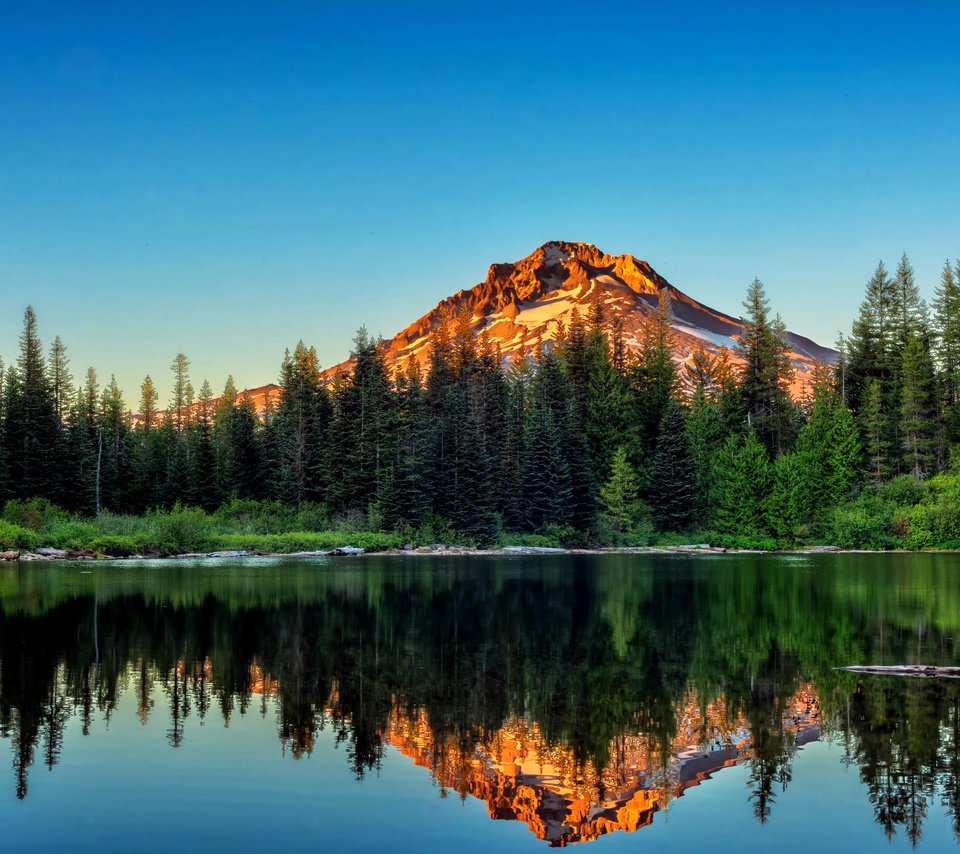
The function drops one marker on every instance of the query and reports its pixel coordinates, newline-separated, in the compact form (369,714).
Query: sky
(224,179)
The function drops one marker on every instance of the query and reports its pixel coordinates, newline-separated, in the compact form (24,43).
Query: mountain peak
(521,302)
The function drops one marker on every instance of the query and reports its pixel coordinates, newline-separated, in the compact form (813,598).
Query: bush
(182,529)
(268,517)
(903,491)
(33,513)
(71,535)
(864,524)
(16,537)
(115,546)
(306,541)
(531,540)
(744,541)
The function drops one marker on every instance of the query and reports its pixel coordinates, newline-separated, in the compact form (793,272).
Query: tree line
(577,438)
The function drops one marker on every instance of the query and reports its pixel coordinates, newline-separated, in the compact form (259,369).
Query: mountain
(517,304)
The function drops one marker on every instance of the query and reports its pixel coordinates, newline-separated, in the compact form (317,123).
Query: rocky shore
(441,549)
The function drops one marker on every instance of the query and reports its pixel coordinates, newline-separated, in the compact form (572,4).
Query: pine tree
(742,480)
(30,418)
(917,425)
(61,383)
(202,476)
(875,432)
(946,324)
(705,433)
(182,393)
(361,444)
(114,452)
(872,342)
(766,373)
(300,425)
(653,379)
(910,310)
(149,396)
(622,510)
(547,485)
(605,416)
(673,484)
(790,506)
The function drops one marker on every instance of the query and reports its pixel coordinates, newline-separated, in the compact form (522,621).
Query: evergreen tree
(673,485)
(361,443)
(917,425)
(202,490)
(872,341)
(547,484)
(606,406)
(61,383)
(742,480)
(910,311)
(946,306)
(31,425)
(182,393)
(705,434)
(766,373)
(654,382)
(790,505)
(113,468)
(300,425)
(875,432)
(622,510)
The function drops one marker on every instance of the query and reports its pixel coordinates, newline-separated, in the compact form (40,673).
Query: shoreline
(48,555)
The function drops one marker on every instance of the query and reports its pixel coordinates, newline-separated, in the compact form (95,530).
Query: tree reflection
(627,681)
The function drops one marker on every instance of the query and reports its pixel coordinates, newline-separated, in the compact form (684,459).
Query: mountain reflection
(578,696)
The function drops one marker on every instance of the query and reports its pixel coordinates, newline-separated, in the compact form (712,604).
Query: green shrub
(903,491)
(866,523)
(531,540)
(71,534)
(744,541)
(16,537)
(306,541)
(115,546)
(34,513)
(181,529)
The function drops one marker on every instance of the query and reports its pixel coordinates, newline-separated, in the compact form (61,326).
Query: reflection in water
(577,696)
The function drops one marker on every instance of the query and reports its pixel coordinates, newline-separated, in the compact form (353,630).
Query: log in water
(921,670)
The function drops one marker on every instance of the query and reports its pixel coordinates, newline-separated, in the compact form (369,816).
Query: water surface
(412,703)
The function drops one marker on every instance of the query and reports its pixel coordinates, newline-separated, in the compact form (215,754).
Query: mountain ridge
(521,303)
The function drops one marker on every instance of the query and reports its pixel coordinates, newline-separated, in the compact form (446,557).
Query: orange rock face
(519,304)
(523,778)
(530,300)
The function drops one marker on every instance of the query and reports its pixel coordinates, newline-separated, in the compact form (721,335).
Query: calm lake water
(477,704)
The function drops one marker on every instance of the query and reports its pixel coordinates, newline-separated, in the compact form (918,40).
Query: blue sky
(223,179)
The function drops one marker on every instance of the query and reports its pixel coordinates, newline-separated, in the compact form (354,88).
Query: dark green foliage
(622,510)
(31,427)
(742,481)
(673,481)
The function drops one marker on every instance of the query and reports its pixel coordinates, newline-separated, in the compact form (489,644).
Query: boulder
(348,551)
(56,553)
(9,555)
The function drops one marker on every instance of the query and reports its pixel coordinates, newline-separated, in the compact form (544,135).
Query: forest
(577,442)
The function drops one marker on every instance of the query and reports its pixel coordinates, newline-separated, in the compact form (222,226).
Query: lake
(480,703)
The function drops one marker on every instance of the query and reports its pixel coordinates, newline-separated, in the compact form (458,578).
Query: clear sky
(223,179)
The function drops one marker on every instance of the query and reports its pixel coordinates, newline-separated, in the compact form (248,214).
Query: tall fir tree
(766,373)
(742,481)
(673,483)
(31,425)
(918,412)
